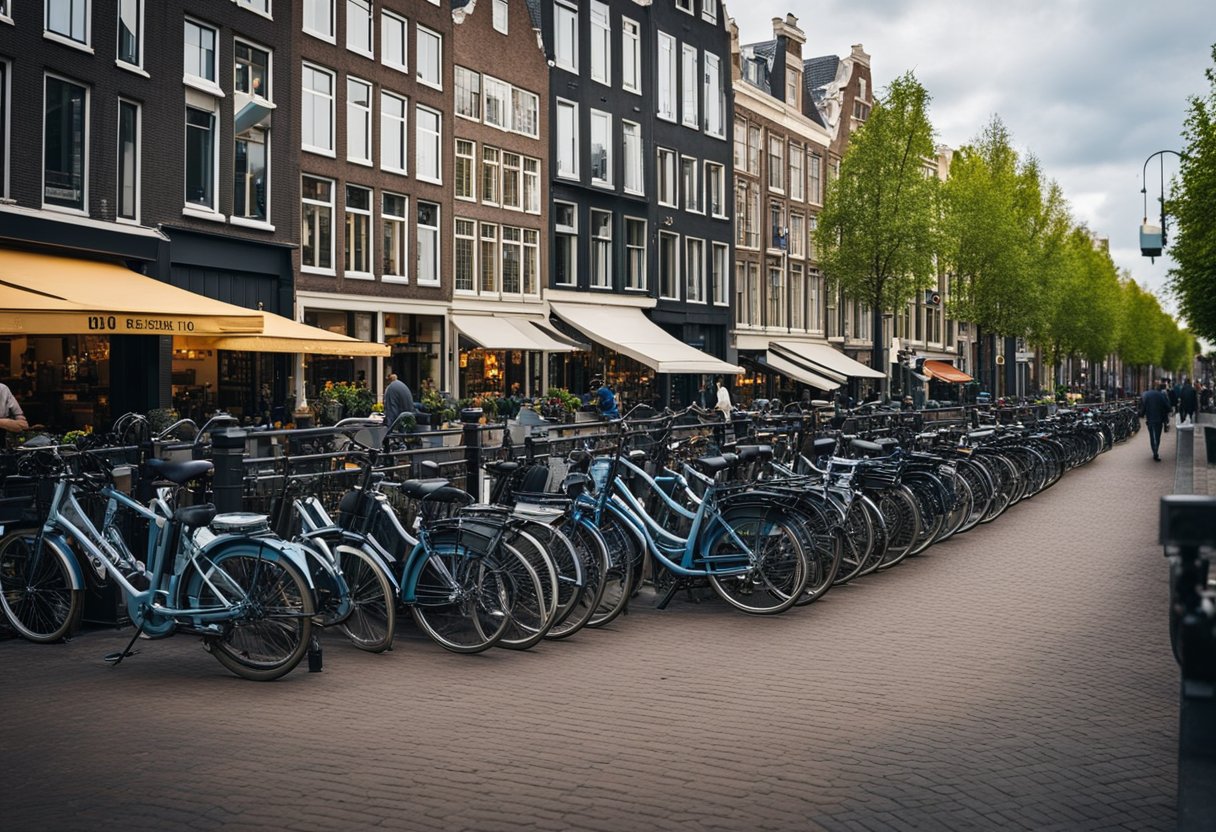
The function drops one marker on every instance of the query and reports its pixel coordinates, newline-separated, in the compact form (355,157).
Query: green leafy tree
(877,228)
(1142,337)
(1191,202)
(1084,310)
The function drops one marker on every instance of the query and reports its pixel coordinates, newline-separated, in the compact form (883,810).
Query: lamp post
(1153,237)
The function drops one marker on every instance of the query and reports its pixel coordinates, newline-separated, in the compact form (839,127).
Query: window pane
(249,185)
(128,158)
(252,75)
(359,25)
(200,51)
(64,147)
(200,158)
(128,31)
(358,120)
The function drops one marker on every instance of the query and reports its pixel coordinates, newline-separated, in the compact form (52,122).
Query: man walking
(398,400)
(1155,405)
(1188,402)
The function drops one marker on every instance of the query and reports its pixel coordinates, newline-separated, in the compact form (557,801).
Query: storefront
(504,355)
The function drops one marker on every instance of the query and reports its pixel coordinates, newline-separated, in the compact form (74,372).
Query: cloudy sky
(1090,87)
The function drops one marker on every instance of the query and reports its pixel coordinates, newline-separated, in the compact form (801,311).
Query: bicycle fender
(269,547)
(372,553)
(64,551)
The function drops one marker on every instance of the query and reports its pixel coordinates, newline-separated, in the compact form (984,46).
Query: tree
(1142,339)
(877,229)
(1083,311)
(1193,280)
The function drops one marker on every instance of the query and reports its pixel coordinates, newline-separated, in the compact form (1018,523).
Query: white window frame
(208,85)
(435,281)
(489,191)
(404,220)
(601,42)
(776,168)
(400,126)
(332,98)
(192,208)
(388,21)
(6,13)
(567,168)
(530,263)
(136,162)
(309,11)
(630,250)
(689,110)
(6,120)
(694,270)
(631,56)
(138,65)
(719,273)
(531,185)
(667,178)
(601,122)
(510,238)
(471,158)
(262,7)
(690,174)
(265,139)
(715,97)
(474,243)
(68,39)
(368,48)
(437,141)
(597,244)
(355,113)
(796,239)
(489,263)
(498,92)
(501,20)
(525,119)
(634,167)
(333,211)
(797,183)
(565,40)
(460,73)
(348,249)
(715,197)
(685,6)
(666,69)
(566,232)
(675,271)
(709,10)
(422,71)
(814,172)
(507,171)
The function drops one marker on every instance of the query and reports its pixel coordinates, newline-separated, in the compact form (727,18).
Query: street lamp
(1153,237)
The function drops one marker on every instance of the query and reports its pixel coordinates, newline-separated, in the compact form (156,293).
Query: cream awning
(44,294)
(285,335)
(627,330)
(507,332)
(830,362)
(798,372)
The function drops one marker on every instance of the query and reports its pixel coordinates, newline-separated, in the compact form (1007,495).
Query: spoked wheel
(899,510)
(462,600)
(530,612)
(757,564)
(591,550)
(857,541)
(273,606)
(821,543)
(36,587)
(623,555)
(373,615)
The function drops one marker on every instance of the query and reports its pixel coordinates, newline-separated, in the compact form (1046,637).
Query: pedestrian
(604,398)
(1188,402)
(12,419)
(1205,397)
(707,399)
(1155,407)
(398,401)
(723,400)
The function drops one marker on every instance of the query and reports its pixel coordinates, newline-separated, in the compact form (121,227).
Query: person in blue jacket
(605,399)
(1155,405)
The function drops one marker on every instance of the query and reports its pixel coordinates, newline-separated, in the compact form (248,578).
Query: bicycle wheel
(461,600)
(529,599)
(592,552)
(857,540)
(36,587)
(623,554)
(821,542)
(373,616)
(272,607)
(899,510)
(756,563)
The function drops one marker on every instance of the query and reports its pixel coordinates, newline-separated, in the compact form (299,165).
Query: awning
(627,330)
(507,332)
(285,335)
(796,371)
(43,294)
(946,372)
(830,362)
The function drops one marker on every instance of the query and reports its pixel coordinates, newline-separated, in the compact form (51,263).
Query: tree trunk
(1011,366)
(876,350)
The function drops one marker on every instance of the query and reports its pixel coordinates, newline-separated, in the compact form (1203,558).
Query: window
(128,160)
(709,10)
(778,239)
(601,49)
(669,265)
(67,18)
(500,16)
(200,52)
(791,91)
(468,93)
(684,5)
(319,18)
(200,158)
(565,224)
(428,243)
(567,139)
(816,184)
(632,140)
(428,128)
(715,97)
(688,105)
(131,32)
(259,6)
(690,185)
(776,297)
(666,77)
(512,259)
(742,215)
(498,103)
(601,148)
(359,27)
(814,285)
(358,121)
(251,74)
(601,249)
(754,218)
(797,237)
(394,239)
(532,185)
(531,261)
(747,294)
(317,119)
(251,142)
(394,41)
(666,176)
(719,273)
(631,56)
(753,150)
(489,258)
(489,175)
(394,142)
(776,164)
(812,252)
(715,189)
(565,36)
(635,253)
(464,170)
(464,249)
(797,180)
(525,108)
(797,297)
(358,230)
(317,224)
(429,56)
(512,193)
(694,270)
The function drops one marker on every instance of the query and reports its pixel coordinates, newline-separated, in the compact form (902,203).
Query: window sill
(320,151)
(6,19)
(434,284)
(404,70)
(394,171)
(469,199)
(720,217)
(132,68)
(203,85)
(63,209)
(569,177)
(258,12)
(696,127)
(66,41)
(431,84)
(321,36)
(367,163)
(318,270)
(400,280)
(133,221)
(427,179)
(371,56)
(203,214)
(243,222)
(602,185)
(349,275)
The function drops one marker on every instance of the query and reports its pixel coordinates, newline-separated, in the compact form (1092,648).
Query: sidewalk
(1193,474)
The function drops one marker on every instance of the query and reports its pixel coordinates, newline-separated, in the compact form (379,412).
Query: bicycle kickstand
(116,658)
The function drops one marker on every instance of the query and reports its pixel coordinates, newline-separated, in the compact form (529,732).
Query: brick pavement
(1018,677)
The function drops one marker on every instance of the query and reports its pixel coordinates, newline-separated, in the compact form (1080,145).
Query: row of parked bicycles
(766,521)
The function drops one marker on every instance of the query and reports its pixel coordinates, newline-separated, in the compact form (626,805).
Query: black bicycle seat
(824,446)
(192,517)
(861,446)
(180,472)
(980,434)
(501,466)
(421,489)
(888,444)
(747,453)
(712,464)
(447,494)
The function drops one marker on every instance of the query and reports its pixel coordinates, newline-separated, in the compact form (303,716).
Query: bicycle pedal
(119,655)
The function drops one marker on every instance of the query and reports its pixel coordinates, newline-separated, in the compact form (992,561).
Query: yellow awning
(43,294)
(281,334)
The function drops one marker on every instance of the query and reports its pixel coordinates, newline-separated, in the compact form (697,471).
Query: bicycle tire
(618,577)
(530,611)
(902,516)
(36,592)
(373,616)
(459,601)
(776,572)
(589,545)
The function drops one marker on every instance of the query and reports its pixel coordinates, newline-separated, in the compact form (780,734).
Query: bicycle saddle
(447,494)
(421,489)
(749,452)
(501,466)
(824,446)
(888,444)
(180,472)
(712,464)
(980,434)
(192,517)
(861,446)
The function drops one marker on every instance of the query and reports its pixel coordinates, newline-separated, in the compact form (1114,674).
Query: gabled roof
(764,49)
(818,73)
(534,13)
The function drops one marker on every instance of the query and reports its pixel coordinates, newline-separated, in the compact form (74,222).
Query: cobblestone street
(1016,677)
